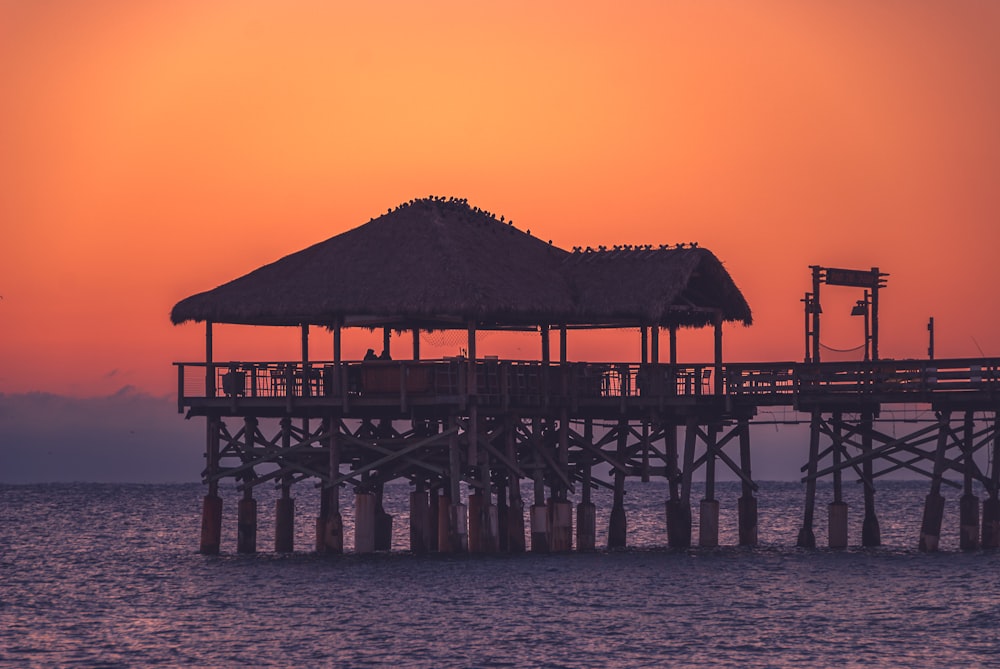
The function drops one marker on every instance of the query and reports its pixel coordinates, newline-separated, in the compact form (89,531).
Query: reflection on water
(105,575)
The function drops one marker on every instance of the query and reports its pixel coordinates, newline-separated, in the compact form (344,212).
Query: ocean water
(109,576)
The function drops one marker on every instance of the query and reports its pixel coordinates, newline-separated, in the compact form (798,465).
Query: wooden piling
(969,504)
(364,522)
(444,523)
(991,506)
(617,529)
(211,524)
(383,521)
(747,503)
(708,517)
(459,531)
(515,510)
(246,524)
(284,522)
(871,534)
(807,539)
(930,526)
(708,524)
(475,523)
(561,522)
(837,511)
(419,521)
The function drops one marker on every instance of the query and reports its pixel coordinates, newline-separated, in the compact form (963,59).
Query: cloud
(129,436)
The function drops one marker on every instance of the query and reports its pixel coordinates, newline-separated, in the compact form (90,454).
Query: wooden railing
(531,383)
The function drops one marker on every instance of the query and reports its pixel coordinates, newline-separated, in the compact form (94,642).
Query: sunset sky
(151,150)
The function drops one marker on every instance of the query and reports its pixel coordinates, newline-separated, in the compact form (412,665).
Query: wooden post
(930,526)
(837,518)
(807,539)
(969,504)
(708,519)
(586,512)
(617,528)
(644,338)
(246,523)
(515,511)
(383,520)
(673,344)
(655,348)
(416,343)
(718,387)
(562,343)
(419,515)
(678,523)
(991,506)
(747,502)
(458,526)
(871,534)
(386,341)
(209,362)
(682,522)
(211,511)
(816,311)
(546,357)
(333,522)
(364,522)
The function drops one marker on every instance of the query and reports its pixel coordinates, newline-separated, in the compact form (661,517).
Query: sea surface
(98,575)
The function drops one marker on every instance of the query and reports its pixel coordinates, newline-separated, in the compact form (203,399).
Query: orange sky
(150,150)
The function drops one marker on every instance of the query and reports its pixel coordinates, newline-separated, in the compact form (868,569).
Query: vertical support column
(246,523)
(284,506)
(837,518)
(991,506)
(708,518)
(515,511)
(930,527)
(364,521)
(419,519)
(586,512)
(747,502)
(678,525)
(807,539)
(871,534)
(969,504)
(211,510)
(246,511)
(718,385)
(332,522)
(561,511)
(433,529)
(458,520)
(443,506)
(383,520)
(683,524)
(539,512)
(617,528)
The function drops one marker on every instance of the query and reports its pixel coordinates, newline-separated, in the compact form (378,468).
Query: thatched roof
(437,263)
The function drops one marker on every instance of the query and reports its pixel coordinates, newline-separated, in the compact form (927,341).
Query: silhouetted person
(370,355)
(385,355)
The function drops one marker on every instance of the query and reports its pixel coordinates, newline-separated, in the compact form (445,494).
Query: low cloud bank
(126,437)
(133,437)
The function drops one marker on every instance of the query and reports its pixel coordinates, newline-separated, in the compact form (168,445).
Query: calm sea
(109,576)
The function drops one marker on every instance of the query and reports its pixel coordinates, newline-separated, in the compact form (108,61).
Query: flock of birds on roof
(461,201)
(636,247)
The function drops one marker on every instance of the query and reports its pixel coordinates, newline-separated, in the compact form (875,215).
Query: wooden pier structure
(564,426)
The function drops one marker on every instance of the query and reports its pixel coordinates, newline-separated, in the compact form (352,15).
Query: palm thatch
(438,263)
(679,286)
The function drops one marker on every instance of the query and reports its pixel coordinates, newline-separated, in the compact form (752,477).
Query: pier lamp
(861,309)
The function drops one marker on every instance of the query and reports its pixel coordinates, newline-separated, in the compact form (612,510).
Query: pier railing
(531,383)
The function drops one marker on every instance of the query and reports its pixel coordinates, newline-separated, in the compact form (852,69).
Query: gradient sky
(151,150)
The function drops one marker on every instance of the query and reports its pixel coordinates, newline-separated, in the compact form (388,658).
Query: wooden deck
(435,387)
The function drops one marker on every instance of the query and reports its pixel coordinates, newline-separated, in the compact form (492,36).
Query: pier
(486,425)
